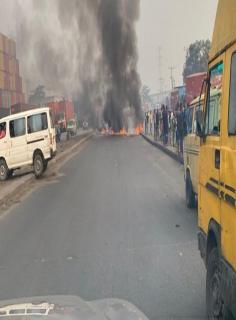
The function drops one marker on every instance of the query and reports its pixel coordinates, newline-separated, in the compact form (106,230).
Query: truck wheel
(38,165)
(45,165)
(213,283)
(190,195)
(3,170)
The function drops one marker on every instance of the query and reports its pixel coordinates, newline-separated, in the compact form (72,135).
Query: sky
(171,25)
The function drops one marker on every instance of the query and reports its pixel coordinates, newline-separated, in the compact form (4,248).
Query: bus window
(232,98)
(212,124)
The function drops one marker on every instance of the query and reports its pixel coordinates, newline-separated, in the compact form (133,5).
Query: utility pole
(160,73)
(172,77)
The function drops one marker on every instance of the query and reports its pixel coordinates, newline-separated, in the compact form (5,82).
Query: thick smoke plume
(84,49)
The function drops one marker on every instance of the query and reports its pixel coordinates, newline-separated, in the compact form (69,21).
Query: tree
(197,57)
(37,97)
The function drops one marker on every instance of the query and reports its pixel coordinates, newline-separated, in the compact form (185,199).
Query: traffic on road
(117,159)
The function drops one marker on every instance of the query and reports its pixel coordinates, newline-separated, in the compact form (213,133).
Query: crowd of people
(168,126)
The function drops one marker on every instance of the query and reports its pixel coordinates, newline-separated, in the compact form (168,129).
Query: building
(11,91)
(193,85)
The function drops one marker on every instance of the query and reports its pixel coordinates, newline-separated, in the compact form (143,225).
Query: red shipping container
(18,84)
(17,68)
(6,81)
(6,62)
(13,98)
(193,86)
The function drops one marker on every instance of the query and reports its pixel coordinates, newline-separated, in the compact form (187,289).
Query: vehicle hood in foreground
(68,308)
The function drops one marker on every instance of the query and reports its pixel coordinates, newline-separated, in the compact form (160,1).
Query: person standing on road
(146,122)
(173,125)
(180,129)
(165,125)
(157,120)
(150,123)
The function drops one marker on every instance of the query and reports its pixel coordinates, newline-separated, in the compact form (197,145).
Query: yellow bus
(217,169)
(191,153)
(192,146)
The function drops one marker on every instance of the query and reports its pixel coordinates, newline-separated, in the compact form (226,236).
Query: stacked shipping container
(10,81)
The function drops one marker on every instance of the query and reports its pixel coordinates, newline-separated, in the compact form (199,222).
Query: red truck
(63,111)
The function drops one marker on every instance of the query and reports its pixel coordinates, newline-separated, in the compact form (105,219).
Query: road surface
(113,224)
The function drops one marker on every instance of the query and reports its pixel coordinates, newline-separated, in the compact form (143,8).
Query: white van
(26,138)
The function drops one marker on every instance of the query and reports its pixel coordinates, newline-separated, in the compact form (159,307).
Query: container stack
(11,92)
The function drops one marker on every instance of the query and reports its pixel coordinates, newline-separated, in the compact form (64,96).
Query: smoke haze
(82,49)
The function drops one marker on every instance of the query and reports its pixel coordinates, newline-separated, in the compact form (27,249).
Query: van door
(38,136)
(228,166)
(18,149)
(210,154)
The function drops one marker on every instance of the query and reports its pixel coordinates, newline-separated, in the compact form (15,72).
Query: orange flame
(123,132)
(139,129)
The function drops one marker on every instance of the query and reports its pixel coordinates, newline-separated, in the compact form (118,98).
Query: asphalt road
(113,224)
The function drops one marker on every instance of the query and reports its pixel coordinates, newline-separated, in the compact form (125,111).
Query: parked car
(26,138)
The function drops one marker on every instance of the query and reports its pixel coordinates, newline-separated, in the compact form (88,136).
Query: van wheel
(3,170)
(190,195)
(38,165)
(45,165)
(213,283)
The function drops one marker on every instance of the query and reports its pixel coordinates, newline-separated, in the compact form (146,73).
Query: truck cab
(217,169)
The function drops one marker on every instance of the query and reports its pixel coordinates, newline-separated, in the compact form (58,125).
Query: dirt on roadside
(19,191)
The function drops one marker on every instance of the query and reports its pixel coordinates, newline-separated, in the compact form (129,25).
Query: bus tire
(3,170)
(189,194)
(38,165)
(214,301)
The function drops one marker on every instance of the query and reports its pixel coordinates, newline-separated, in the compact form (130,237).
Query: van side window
(3,130)
(37,122)
(212,123)
(17,127)
(232,98)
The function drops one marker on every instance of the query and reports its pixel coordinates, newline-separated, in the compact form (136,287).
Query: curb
(158,145)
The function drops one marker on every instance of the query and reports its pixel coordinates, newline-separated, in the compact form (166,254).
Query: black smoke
(86,49)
